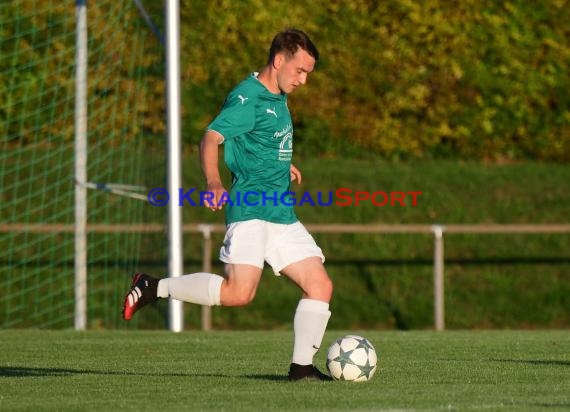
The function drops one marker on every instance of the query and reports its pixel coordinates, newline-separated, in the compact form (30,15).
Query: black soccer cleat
(143,292)
(306,372)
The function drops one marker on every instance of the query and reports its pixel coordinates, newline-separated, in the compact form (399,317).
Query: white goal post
(174,163)
(174,220)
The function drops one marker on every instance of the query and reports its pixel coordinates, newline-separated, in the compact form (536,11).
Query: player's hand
(219,194)
(296,174)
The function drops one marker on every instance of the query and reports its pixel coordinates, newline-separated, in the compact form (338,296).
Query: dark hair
(289,41)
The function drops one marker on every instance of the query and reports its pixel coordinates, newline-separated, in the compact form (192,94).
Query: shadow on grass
(277,378)
(28,372)
(550,362)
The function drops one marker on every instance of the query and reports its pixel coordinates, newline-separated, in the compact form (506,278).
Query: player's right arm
(209,162)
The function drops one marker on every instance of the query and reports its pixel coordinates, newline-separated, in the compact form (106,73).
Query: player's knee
(244,299)
(234,296)
(320,289)
(327,287)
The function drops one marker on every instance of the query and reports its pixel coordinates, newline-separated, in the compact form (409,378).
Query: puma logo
(271,111)
(243,99)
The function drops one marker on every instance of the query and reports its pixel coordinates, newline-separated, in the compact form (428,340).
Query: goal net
(125,140)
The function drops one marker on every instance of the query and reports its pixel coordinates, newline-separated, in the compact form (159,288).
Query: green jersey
(258,137)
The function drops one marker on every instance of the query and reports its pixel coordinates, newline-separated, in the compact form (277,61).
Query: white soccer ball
(352,358)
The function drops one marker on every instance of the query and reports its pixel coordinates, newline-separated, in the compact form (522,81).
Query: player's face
(292,72)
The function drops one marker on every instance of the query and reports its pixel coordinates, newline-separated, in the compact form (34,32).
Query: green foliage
(37,69)
(397,78)
(32,85)
(115,91)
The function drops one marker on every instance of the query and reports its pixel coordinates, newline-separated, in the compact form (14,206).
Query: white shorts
(254,242)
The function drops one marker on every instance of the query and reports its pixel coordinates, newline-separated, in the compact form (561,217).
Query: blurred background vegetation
(465,101)
(397,79)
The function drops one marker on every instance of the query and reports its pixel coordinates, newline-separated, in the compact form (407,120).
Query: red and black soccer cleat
(143,292)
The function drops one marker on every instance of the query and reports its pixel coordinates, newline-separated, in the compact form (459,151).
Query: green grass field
(477,370)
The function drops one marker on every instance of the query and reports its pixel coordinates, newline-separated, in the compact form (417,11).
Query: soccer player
(256,128)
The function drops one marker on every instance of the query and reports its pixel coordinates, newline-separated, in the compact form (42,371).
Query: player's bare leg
(238,288)
(240,284)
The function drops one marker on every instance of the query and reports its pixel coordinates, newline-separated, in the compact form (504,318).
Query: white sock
(309,325)
(201,288)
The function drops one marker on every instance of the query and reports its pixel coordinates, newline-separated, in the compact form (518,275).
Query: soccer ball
(351,358)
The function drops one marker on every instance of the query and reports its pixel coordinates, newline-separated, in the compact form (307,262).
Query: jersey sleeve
(236,117)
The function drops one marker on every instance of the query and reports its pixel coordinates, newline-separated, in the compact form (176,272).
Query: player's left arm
(295,174)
